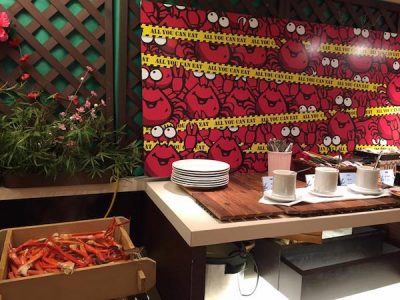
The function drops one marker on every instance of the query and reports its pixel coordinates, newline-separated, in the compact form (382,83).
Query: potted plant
(51,139)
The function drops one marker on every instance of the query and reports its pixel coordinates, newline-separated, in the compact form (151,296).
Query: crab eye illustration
(147,39)
(212,17)
(386,35)
(375,142)
(295,131)
(210,76)
(290,27)
(335,63)
(393,34)
(357,31)
(278,81)
(160,41)
(302,108)
(244,79)
(180,7)
(326,61)
(197,74)
(224,22)
(339,100)
(365,79)
(145,74)
(348,102)
(365,33)
(167,5)
(156,131)
(156,75)
(383,142)
(170,132)
(396,65)
(285,131)
(301,30)
(312,108)
(327,141)
(253,23)
(336,140)
(357,78)
(233,129)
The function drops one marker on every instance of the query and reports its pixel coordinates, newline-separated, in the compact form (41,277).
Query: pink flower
(25,77)
(103,103)
(74,99)
(88,104)
(4,20)
(33,95)
(24,58)
(93,113)
(4,23)
(62,114)
(3,35)
(76,117)
(80,109)
(62,126)
(93,93)
(14,42)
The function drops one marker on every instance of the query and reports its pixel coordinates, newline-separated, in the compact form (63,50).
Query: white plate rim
(364,191)
(191,164)
(200,186)
(277,198)
(337,194)
(200,183)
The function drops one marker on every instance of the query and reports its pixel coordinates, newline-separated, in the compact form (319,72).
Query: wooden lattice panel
(62,37)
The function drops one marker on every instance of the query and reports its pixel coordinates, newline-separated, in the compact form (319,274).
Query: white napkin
(303,195)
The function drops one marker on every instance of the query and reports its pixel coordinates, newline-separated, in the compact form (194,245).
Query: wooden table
(184,229)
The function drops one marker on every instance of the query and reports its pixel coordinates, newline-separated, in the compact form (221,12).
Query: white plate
(278,198)
(334,195)
(364,191)
(202,186)
(225,181)
(200,165)
(200,181)
(199,177)
(200,174)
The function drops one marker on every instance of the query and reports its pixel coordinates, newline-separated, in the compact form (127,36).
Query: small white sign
(267,183)
(387,177)
(347,178)
(310,180)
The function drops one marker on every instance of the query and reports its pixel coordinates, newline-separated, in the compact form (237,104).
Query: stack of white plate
(200,173)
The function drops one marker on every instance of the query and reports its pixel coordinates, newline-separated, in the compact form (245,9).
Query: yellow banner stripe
(362,51)
(376,147)
(207,36)
(222,123)
(179,146)
(262,147)
(191,65)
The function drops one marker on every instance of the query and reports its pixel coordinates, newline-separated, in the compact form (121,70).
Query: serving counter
(196,228)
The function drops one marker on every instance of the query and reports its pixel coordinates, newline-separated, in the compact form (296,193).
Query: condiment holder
(325,182)
(367,179)
(283,186)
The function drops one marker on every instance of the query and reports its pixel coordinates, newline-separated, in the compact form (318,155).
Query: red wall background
(327,89)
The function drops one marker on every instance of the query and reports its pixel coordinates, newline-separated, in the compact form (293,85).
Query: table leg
(180,268)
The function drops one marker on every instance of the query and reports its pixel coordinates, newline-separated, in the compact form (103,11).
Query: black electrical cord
(249,257)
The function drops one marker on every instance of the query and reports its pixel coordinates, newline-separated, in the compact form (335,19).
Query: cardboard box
(108,281)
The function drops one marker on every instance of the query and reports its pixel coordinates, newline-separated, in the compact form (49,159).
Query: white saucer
(278,198)
(364,191)
(333,195)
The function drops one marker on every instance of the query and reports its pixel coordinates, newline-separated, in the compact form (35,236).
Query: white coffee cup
(326,180)
(367,177)
(284,183)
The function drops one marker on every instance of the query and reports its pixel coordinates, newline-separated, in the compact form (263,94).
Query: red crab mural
(224,84)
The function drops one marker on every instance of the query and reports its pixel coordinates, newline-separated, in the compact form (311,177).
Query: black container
(339,267)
